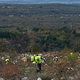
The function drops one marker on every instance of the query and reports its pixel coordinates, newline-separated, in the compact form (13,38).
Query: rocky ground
(19,71)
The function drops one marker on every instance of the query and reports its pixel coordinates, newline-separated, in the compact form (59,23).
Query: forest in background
(37,28)
(39,39)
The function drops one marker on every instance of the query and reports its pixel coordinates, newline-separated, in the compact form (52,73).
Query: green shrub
(74,56)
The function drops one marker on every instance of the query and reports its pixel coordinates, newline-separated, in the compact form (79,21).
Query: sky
(39,1)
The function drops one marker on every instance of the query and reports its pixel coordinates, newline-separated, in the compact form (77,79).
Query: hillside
(46,29)
(39,15)
(49,26)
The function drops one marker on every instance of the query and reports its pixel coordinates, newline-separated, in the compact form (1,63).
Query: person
(25,60)
(38,60)
(7,60)
(32,57)
(55,59)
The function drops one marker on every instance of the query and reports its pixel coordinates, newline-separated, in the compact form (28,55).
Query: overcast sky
(40,1)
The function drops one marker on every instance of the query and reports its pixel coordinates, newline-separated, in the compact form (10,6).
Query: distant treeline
(39,39)
(39,15)
(38,9)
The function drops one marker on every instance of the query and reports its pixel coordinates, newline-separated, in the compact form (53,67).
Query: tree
(35,29)
(4,45)
(36,48)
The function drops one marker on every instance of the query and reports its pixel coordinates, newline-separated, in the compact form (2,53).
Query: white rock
(39,78)
(71,53)
(2,58)
(1,78)
(25,78)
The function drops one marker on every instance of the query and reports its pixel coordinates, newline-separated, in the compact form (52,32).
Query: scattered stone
(39,78)
(25,78)
(1,78)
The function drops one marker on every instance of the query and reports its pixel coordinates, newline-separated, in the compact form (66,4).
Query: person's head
(37,55)
(54,56)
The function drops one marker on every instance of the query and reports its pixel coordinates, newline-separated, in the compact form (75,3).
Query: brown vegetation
(8,71)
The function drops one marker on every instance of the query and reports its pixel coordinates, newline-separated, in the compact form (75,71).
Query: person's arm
(43,58)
